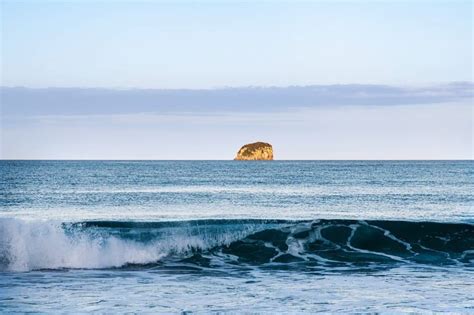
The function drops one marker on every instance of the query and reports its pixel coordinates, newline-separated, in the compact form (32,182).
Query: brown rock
(255,151)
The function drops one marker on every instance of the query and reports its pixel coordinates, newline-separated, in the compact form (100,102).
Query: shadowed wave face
(222,244)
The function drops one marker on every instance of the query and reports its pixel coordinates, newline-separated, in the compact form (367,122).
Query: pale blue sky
(177,44)
(196,80)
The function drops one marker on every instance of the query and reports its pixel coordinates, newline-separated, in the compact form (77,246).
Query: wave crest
(37,245)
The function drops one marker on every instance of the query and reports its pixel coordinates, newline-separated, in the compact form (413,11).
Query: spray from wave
(37,245)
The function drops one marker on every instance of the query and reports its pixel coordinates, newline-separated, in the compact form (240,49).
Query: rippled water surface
(172,236)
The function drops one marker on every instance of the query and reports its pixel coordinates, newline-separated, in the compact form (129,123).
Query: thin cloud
(20,101)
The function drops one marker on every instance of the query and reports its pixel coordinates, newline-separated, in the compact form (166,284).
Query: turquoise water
(173,236)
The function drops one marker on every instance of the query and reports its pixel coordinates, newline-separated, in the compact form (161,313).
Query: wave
(36,245)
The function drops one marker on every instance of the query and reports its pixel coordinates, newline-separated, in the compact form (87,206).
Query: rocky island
(255,151)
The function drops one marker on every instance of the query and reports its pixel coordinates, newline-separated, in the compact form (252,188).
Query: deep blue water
(287,236)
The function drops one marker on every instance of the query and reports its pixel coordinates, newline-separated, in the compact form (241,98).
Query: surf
(212,244)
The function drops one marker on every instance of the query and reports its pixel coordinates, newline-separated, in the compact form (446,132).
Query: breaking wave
(36,245)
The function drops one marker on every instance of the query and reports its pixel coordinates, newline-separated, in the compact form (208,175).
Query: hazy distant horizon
(319,122)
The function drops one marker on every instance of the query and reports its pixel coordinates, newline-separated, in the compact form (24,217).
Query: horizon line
(237,161)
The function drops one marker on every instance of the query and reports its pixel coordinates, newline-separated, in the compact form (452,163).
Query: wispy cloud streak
(19,101)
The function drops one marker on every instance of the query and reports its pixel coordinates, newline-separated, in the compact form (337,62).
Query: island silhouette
(255,151)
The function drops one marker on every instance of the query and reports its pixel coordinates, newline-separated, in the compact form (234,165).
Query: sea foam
(32,245)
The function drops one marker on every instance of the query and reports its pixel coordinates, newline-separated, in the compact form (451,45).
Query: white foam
(32,245)
(39,245)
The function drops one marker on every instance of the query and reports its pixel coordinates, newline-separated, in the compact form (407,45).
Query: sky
(196,80)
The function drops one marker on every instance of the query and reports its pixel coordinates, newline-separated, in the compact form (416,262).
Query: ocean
(235,236)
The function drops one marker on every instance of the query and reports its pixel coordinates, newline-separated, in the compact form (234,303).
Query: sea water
(217,236)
